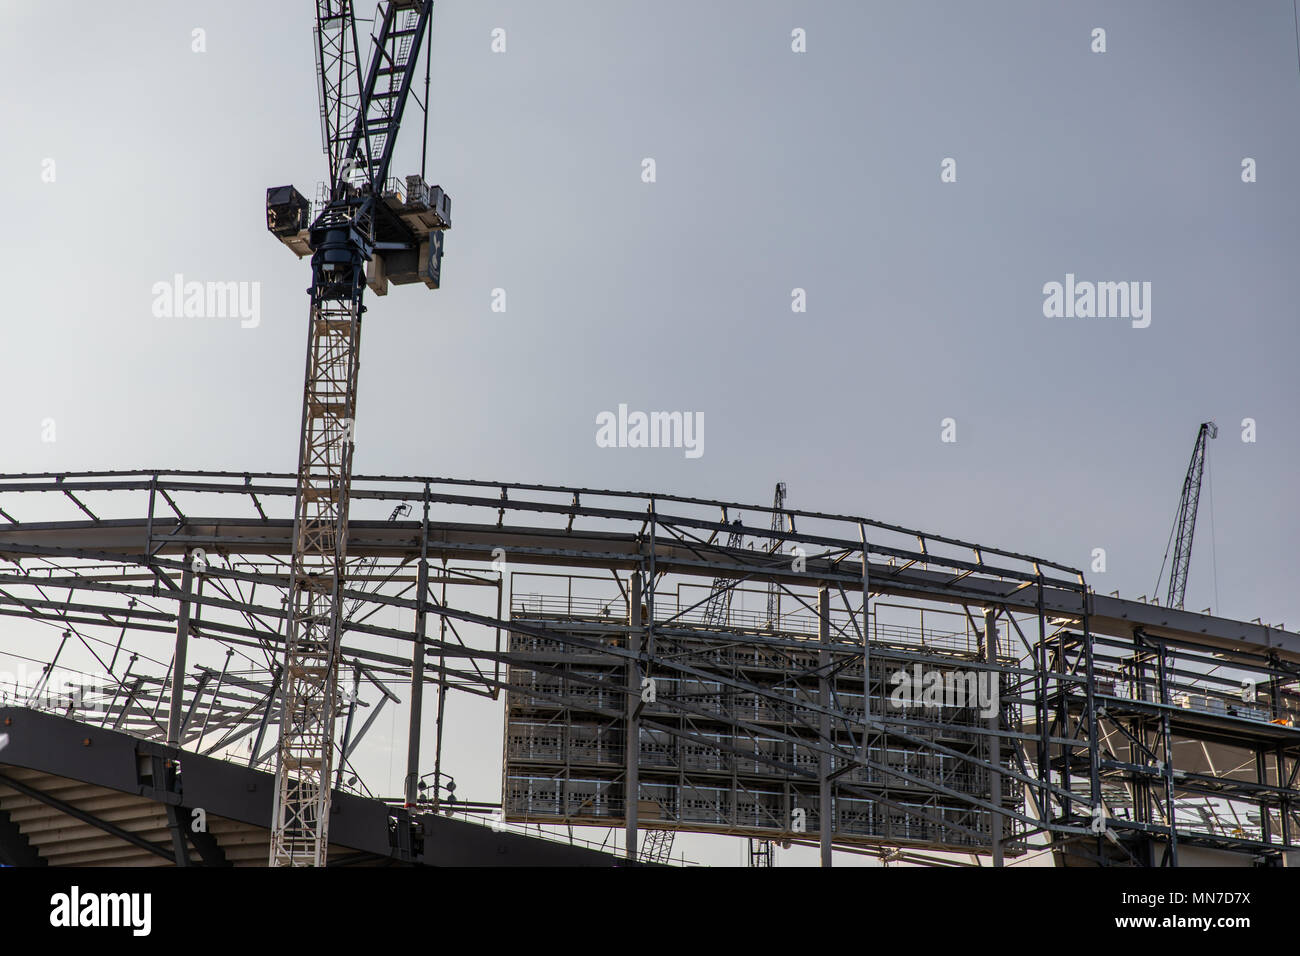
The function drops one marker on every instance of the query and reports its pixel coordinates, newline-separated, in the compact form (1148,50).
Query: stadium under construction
(663,665)
(200,658)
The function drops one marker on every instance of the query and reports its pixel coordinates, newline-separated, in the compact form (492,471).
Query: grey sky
(775,170)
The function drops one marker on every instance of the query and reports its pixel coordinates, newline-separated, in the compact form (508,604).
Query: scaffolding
(729,741)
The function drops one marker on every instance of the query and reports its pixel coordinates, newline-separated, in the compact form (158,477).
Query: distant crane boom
(366,565)
(1185,521)
(717,609)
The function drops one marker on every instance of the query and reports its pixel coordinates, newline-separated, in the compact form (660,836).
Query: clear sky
(775,170)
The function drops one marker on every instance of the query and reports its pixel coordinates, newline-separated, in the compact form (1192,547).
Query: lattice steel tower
(366,231)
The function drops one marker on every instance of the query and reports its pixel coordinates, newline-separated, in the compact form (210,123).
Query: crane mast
(367,233)
(1185,520)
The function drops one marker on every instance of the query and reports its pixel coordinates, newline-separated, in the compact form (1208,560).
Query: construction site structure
(1107,731)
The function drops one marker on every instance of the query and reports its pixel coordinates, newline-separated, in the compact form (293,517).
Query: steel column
(825,825)
(347,725)
(1167,751)
(417,688)
(994,742)
(417,662)
(866,637)
(632,747)
(178,827)
(174,714)
(1284,804)
(1261,777)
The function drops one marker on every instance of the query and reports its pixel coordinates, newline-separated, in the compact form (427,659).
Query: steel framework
(1126,733)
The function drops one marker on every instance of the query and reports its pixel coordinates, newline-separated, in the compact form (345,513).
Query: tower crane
(366,231)
(774,589)
(1185,520)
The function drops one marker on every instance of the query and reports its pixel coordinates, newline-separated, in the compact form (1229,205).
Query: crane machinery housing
(367,231)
